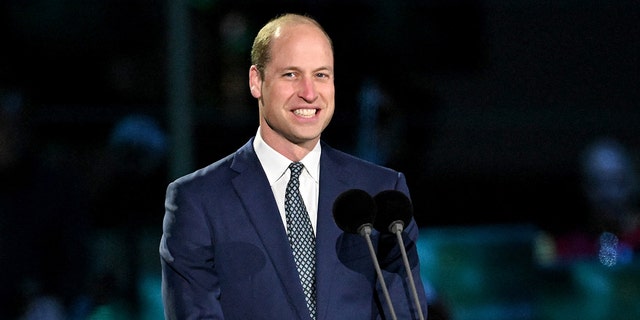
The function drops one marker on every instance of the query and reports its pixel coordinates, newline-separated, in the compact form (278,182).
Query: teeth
(305,112)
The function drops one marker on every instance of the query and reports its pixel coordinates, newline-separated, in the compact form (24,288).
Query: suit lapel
(252,186)
(333,181)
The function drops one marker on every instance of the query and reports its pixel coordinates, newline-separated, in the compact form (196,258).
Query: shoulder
(348,161)
(218,172)
(349,171)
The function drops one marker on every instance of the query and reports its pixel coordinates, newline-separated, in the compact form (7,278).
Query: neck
(291,150)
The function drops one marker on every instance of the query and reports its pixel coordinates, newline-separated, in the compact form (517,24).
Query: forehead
(300,36)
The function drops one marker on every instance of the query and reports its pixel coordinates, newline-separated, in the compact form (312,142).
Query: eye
(290,74)
(322,75)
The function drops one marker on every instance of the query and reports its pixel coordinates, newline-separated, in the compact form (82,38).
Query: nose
(307,89)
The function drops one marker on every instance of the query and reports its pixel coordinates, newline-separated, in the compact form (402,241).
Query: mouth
(305,113)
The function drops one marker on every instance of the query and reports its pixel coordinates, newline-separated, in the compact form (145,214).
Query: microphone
(394,212)
(354,212)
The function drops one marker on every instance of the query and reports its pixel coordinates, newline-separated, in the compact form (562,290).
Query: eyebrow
(322,68)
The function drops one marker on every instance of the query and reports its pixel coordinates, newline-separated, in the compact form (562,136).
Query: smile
(305,112)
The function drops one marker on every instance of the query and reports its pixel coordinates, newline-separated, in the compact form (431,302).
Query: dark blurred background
(486,106)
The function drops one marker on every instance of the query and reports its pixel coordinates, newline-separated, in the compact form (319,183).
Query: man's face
(297,95)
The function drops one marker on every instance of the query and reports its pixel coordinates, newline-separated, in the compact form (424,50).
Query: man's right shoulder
(220,169)
(209,172)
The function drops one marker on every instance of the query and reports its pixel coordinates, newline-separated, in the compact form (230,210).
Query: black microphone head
(352,209)
(393,207)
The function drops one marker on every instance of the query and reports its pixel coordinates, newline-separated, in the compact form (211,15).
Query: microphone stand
(397,229)
(365,231)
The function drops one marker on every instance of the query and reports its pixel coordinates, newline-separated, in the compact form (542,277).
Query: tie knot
(296,169)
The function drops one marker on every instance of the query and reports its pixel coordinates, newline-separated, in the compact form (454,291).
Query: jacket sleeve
(190,286)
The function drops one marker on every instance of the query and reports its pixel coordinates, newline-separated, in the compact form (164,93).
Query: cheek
(329,92)
(277,92)
(329,96)
(328,115)
(331,113)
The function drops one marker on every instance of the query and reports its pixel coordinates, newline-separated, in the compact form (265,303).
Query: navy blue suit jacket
(225,252)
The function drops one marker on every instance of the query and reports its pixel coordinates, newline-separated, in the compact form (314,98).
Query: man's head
(292,76)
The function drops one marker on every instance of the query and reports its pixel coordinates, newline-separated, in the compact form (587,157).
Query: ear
(255,82)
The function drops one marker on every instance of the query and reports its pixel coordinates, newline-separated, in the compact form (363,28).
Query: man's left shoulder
(347,160)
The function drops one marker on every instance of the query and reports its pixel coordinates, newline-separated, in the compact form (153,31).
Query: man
(225,250)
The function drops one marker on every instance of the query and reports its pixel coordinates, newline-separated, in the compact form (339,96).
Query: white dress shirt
(276,166)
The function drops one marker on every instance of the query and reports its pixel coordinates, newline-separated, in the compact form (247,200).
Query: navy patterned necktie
(301,237)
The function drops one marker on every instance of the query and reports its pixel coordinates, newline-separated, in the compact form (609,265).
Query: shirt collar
(276,165)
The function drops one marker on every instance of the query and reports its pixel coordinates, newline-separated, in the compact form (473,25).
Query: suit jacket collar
(334,179)
(252,186)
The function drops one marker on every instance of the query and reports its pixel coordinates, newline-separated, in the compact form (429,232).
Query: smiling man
(252,235)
